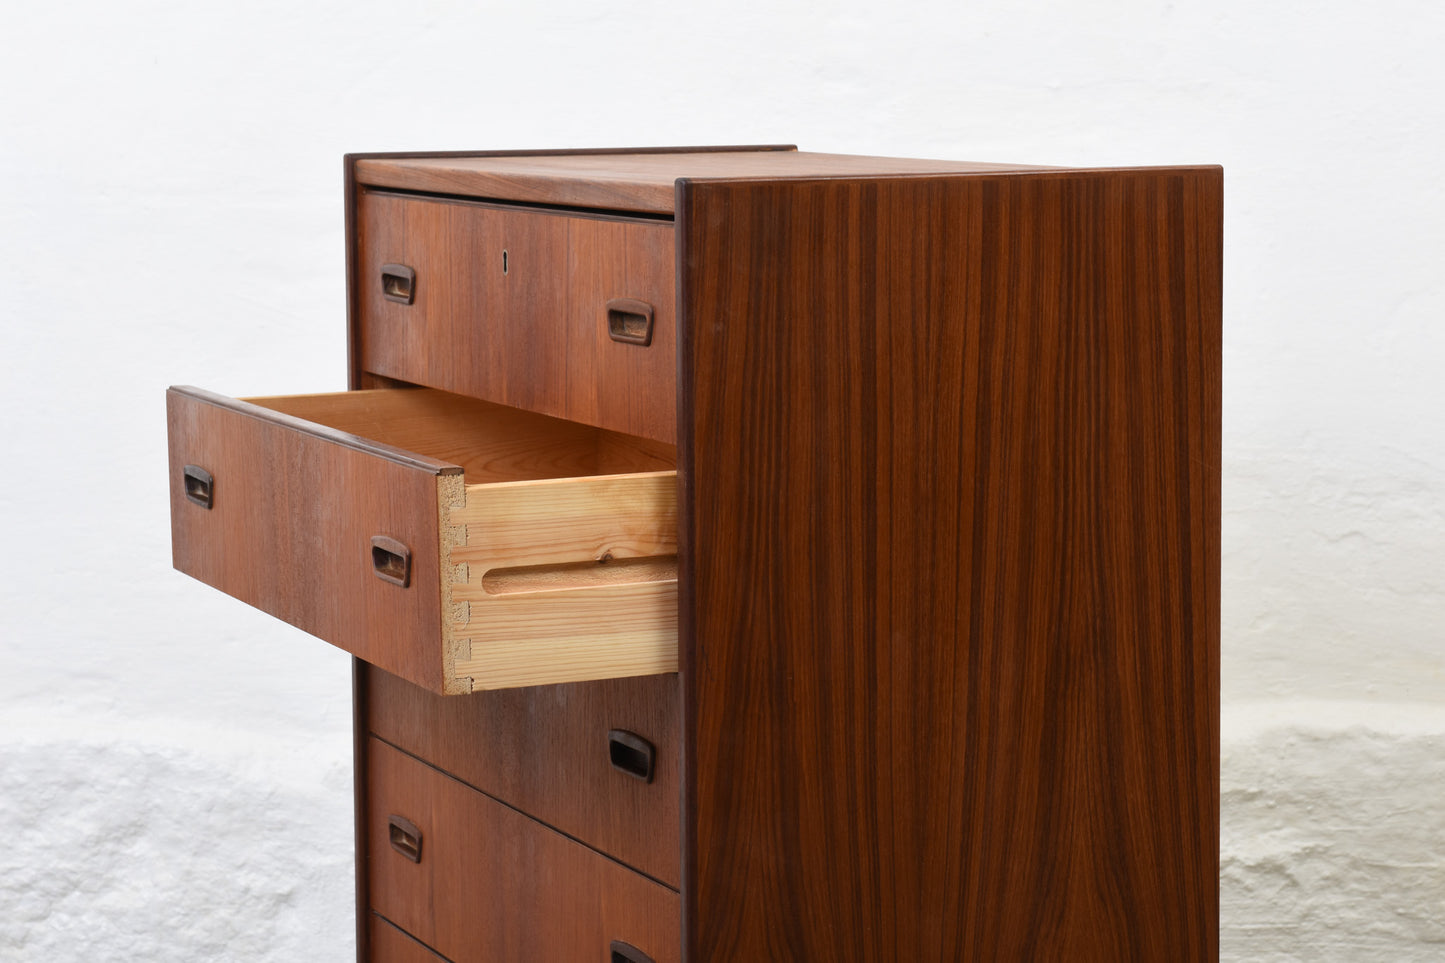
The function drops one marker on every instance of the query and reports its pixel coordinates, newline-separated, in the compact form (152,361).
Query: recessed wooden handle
(629,321)
(391,560)
(630,753)
(627,953)
(405,837)
(398,283)
(200,486)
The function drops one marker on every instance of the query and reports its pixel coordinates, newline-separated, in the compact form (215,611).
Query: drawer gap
(530,207)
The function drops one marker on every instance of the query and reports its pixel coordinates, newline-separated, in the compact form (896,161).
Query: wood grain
(567,626)
(618,571)
(540,521)
(491,442)
(948,556)
(278,536)
(358,377)
(629,182)
(510,306)
(592,632)
(295,508)
(950,638)
(392,945)
(493,884)
(543,749)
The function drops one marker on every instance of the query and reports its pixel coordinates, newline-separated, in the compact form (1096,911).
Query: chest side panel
(950,554)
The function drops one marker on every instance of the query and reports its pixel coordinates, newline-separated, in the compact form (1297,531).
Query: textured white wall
(174,769)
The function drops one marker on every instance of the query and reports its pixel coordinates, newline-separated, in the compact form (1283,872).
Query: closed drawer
(479,881)
(596,760)
(455,543)
(391,945)
(512,305)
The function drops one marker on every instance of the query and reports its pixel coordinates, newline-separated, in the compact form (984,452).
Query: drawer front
(479,881)
(354,516)
(391,945)
(512,306)
(597,760)
(268,509)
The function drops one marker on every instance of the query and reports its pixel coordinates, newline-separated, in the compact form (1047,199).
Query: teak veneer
(888,491)
(517,566)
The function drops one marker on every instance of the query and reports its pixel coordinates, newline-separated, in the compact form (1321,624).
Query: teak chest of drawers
(756,555)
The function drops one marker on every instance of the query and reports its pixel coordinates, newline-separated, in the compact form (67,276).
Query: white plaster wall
(174,769)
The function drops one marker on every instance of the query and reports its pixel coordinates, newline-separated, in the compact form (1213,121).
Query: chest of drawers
(756,555)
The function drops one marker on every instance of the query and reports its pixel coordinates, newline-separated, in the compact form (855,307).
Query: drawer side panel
(585,609)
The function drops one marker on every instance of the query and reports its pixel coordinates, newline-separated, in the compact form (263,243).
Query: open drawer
(459,544)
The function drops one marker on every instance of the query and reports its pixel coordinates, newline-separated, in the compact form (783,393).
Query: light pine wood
(597,632)
(605,517)
(536,578)
(512,585)
(454,649)
(566,624)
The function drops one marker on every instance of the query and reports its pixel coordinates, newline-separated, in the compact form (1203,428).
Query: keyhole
(504,262)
